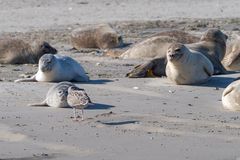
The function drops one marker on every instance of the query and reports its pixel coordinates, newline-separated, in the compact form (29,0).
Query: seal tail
(41,104)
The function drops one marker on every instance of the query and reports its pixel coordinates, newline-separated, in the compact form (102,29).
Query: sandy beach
(132,119)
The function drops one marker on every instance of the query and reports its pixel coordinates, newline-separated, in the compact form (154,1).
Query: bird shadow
(218,82)
(98,106)
(111,123)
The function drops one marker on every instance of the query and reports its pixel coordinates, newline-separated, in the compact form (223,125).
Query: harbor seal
(157,45)
(16,51)
(56,96)
(57,68)
(77,98)
(230,96)
(185,66)
(212,45)
(101,36)
(231,61)
(149,48)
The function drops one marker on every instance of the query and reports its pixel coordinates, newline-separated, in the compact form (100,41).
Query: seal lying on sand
(16,51)
(212,45)
(230,96)
(57,68)
(56,96)
(231,61)
(187,67)
(101,36)
(157,45)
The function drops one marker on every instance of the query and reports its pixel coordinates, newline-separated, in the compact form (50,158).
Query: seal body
(213,46)
(101,36)
(231,61)
(187,67)
(157,45)
(57,68)
(149,48)
(56,96)
(231,96)
(16,51)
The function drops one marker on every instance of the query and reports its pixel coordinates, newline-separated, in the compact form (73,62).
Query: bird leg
(74,112)
(82,114)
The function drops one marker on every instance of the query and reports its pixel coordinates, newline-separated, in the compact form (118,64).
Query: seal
(149,48)
(230,96)
(16,51)
(231,61)
(157,45)
(77,98)
(101,36)
(212,45)
(56,96)
(57,68)
(185,66)
(180,36)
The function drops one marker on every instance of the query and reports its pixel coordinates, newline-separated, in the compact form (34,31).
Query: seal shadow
(99,81)
(218,82)
(98,106)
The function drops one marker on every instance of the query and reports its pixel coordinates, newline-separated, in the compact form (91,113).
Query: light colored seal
(57,68)
(16,51)
(101,36)
(157,45)
(231,61)
(212,45)
(77,99)
(187,67)
(231,96)
(56,96)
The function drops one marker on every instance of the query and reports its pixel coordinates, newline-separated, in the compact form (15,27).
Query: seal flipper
(32,79)
(41,104)
(228,90)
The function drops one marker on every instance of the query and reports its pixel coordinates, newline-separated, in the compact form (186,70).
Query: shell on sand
(231,96)
(101,36)
(16,51)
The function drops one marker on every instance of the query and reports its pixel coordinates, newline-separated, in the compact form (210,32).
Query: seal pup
(231,61)
(77,98)
(57,68)
(102,36)
(230,96)
(56,96)
(187,67)
(16,51)
(212,45)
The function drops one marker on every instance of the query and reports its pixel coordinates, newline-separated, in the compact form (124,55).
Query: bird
(77,98)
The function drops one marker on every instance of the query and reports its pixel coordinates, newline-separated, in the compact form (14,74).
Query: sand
(137,119)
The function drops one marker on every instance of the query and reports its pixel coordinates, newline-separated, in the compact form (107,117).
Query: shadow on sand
(98,106)
(218,82)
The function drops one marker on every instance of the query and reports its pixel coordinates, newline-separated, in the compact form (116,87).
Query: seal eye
(177,50)
(60,92)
